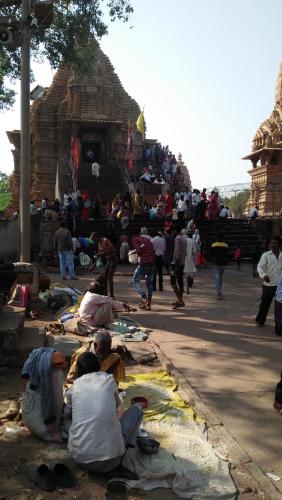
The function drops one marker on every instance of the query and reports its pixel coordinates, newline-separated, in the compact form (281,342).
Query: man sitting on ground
(110,360)
(96,310)
(100,431)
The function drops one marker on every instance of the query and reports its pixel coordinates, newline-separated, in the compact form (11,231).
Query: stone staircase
(109,183)
(236,232)
(103,229)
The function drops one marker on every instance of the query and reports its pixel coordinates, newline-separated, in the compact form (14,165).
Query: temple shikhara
(80,120)
(266,158)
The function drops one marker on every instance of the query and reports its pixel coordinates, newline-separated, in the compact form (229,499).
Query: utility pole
(25,135)
(42,17)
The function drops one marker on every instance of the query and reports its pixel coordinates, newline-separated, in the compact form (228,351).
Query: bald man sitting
(110,361)
(96,309)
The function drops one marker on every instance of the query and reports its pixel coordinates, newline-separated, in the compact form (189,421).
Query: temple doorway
(91,152)
(93,146)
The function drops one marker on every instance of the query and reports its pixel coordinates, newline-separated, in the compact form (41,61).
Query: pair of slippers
(47,478)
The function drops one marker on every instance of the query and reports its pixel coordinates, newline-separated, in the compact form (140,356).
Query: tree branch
(9,3)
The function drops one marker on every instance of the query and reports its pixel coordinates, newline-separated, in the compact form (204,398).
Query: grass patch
(5,199)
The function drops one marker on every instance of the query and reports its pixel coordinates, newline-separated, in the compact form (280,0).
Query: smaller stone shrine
(266,158)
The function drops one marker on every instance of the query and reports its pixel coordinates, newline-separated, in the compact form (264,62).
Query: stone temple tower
(266,158)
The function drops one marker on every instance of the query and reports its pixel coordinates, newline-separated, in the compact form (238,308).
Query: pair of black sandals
(48,477)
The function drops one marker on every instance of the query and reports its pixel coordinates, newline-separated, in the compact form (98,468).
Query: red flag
(75,155)
(130,145)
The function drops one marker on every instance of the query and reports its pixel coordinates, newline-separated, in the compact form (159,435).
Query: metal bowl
(118,486)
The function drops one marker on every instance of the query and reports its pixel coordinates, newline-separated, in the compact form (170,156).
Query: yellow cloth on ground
(112,360)
(160,389)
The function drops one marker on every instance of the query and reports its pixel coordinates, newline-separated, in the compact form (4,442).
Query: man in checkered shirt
(145,269)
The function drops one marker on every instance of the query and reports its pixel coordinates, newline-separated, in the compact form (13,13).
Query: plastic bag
(84,259)
(99,263)
(133,257)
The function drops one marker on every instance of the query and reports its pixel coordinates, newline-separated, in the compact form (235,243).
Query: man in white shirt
(100,430)
(269,269)
(32,208)
(253,213)
(223,214)
(159,246)
(96,309)
(181,209)
(278,308)
(96,169)
(196,198)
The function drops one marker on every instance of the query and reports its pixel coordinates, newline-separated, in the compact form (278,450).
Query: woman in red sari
(168,203)
(213,205)
(86,205)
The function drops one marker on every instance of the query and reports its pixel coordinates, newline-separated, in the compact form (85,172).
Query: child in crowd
(237,256)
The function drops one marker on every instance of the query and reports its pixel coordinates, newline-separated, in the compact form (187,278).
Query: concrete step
(11,329)
(66,344)
(31,338)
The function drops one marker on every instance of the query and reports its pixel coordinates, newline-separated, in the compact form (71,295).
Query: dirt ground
(15,454)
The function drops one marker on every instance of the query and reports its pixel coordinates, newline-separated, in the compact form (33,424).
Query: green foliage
(5,195)
(71,38)
(5,199)
(237,203)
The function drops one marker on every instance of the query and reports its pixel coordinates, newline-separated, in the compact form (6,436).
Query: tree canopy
(70,38)
(237,203)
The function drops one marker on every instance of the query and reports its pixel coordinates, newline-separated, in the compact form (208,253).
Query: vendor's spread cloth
(185,462)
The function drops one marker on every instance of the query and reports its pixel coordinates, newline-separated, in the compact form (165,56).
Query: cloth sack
(74,325)
(31,406)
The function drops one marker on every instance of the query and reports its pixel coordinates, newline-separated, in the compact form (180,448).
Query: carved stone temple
(89,113)
(266,158)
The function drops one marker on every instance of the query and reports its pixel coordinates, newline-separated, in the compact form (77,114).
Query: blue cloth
(278,295)
(66,317)
(83,242)
(219,271)
(37,369)
(66,262)
(144,272)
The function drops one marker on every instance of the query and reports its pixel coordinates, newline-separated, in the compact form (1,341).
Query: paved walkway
(231,363)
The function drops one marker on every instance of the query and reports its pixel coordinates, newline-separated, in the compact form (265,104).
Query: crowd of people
(161,166)
(179,206)
(177,250)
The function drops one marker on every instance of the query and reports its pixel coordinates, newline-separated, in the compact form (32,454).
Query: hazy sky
(205,70)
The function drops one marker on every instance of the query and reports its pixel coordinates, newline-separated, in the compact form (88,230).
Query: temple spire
(278,91)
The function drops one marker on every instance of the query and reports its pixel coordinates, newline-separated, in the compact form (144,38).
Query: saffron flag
(140,124)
